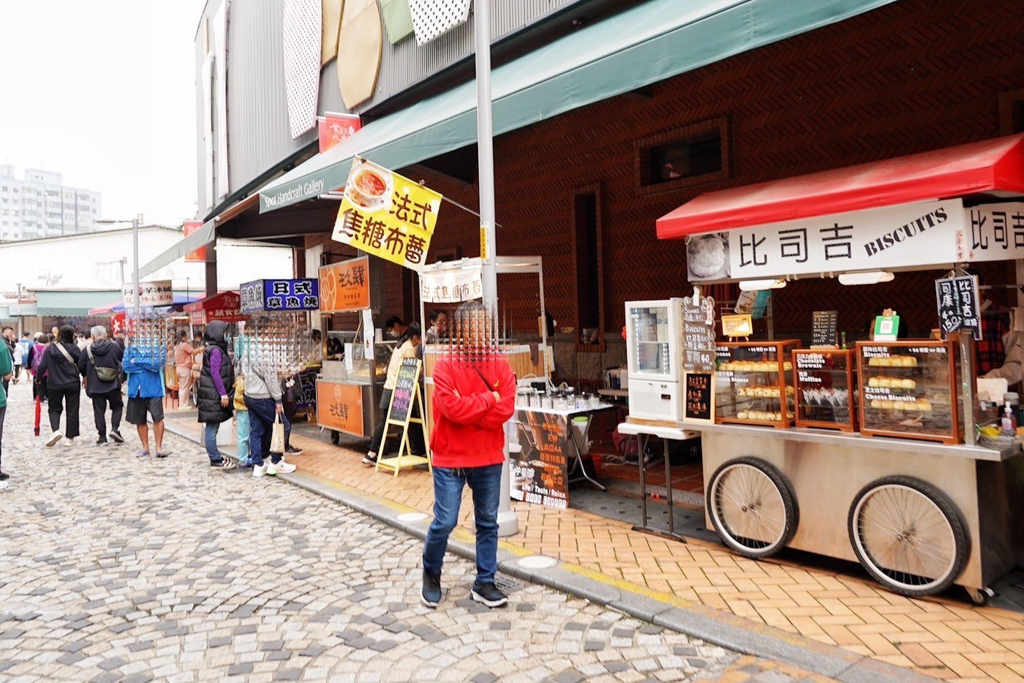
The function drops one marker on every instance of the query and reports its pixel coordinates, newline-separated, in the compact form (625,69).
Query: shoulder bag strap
(64,352)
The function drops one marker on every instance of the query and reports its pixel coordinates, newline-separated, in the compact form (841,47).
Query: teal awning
(646,44)
(73,304)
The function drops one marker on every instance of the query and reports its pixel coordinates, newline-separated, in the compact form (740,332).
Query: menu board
(699,388)
(405,387)
(823,328)
(539,468)
(959,305)
(698,333)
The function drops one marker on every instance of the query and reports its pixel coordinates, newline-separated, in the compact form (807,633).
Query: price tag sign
(699,399)
(823,328)
(698,333)
(959,305)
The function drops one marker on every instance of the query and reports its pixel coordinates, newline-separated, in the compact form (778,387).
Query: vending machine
(654,334)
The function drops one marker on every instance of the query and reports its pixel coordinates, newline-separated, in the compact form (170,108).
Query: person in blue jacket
(144,366)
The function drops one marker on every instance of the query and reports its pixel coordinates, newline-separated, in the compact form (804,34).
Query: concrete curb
(668,611)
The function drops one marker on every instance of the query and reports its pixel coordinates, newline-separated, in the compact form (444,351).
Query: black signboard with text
(959,305)
(823,328)
(699,397)
(405,387)
(698,333)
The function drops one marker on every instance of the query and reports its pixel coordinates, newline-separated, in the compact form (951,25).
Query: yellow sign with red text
(387,215)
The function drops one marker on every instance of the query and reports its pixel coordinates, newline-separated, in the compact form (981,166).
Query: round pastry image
(707,256)
(369,187)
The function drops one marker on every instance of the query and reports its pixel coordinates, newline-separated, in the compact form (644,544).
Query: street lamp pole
(508,521)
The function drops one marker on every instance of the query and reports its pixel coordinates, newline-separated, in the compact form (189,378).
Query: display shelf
(752,383)
(825,389)
(908,390)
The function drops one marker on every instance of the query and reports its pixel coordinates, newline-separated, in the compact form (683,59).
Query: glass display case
(653,336)
(908,389)
(825,389)
(753,383)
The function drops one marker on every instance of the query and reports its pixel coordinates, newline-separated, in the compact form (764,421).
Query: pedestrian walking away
(100,365)
(263,399)
(184,359)
(18,351)
(146,394)
(63,385)
(474,396)
(6,368)
(212,396)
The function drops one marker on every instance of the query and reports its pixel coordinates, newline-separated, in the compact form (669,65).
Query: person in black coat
(103,353)
(63,390)
(216,382)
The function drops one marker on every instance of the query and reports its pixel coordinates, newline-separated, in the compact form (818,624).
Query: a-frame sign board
(406,401)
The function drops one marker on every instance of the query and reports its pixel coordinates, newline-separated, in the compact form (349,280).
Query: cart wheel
(335,437)
(979,597)
(752,507)
(908,535)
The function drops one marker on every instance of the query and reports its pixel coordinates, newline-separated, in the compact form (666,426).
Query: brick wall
(912,76)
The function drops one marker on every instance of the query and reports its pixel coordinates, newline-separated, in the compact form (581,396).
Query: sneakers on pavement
(292,450)
(116,436)
(431,594)
(223,465)
(370,459)
(488,594)
(101,441)
(54,438)
(275,468)
(4,477)
(259,470)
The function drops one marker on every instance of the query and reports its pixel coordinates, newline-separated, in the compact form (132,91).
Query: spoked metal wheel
(908,535)
(752,507)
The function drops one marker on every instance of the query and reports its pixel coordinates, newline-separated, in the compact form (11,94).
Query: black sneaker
(222,465)
(370,459)
(488,594)
(292,450)
(431,594)
(4,477)
(116,436)
(102,441)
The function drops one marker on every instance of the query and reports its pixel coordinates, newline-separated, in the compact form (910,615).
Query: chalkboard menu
(823,328)
(405,387)
(698,333)
(699,395)
(959,305)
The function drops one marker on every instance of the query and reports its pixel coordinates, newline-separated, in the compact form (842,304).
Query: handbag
(104,374)
(277,436)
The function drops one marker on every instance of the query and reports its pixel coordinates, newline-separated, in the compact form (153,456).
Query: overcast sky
(103,92)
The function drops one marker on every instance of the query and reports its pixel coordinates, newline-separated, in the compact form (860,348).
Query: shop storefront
(873,431)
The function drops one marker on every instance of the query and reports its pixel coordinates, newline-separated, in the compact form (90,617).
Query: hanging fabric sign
(451,286)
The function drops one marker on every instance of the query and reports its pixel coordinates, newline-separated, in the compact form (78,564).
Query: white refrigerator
(654,334)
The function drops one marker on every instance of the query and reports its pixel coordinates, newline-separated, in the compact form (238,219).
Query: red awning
(223,306)
(988,166)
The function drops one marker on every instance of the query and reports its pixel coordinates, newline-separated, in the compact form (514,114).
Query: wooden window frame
(642,147)
(593,189)
(1006,102)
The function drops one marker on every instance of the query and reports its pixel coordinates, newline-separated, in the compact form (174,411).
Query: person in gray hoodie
(263,400)
(103,353)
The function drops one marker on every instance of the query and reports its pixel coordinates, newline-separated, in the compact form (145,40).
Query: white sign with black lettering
(907,235)
(994,232)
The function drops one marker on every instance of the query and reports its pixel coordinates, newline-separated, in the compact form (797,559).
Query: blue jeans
(485,483)
(210,430)
(242,436)
(262,413)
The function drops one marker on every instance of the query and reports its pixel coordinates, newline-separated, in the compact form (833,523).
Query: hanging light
(870,277)
(758,285)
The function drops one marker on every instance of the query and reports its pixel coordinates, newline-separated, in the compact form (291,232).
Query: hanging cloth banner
(451,286)
(387,215)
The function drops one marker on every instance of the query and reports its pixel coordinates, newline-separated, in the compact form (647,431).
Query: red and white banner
(200,253)
(334,128)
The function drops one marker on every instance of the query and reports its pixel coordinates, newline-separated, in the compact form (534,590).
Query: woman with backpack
(214,396)
(63,388)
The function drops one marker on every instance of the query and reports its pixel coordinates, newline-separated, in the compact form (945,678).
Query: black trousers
(70,397)
(99,409)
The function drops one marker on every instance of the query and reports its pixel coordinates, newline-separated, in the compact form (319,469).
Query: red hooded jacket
(468,421)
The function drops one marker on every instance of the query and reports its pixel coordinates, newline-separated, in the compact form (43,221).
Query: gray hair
(99,332)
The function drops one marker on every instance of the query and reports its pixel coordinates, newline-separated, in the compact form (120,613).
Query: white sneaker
(54,438)
(259,470)
(282,467)
(69,443)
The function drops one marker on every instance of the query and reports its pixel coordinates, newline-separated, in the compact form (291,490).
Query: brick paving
(938,636)
(114,568)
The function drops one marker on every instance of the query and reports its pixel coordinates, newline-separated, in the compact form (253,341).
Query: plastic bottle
(1009,422)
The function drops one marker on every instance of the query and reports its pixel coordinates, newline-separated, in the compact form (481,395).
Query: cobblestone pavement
(114,568)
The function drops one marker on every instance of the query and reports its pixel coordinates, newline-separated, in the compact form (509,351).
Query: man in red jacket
(474,395)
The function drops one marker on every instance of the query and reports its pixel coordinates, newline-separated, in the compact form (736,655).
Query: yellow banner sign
(387,215)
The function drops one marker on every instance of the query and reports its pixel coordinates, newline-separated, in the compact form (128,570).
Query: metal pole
(135,250)
(508,521)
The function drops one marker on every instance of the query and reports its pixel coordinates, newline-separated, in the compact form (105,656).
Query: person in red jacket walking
(474,395)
